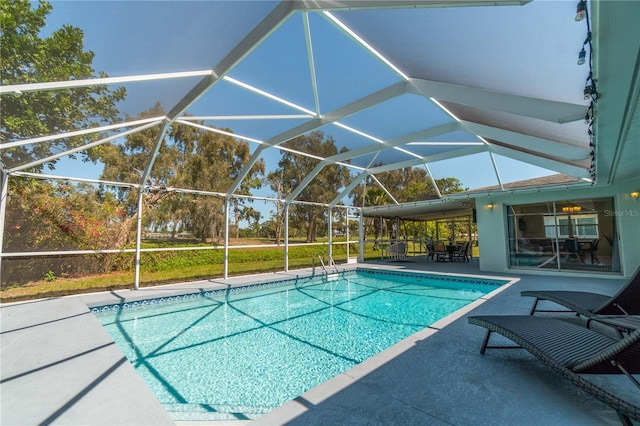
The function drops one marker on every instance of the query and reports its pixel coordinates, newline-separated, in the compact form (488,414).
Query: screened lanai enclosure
(188,140)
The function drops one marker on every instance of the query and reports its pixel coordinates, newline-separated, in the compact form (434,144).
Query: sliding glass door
(575,235)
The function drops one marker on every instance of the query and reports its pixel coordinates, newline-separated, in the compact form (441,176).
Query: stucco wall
(492,229)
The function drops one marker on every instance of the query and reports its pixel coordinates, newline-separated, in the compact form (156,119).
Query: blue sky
(130,38)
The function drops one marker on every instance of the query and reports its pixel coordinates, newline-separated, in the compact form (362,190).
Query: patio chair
(625,302)
(572,248)
(593,251)
(397,251)
(572,350)
(440,252)
(430,252)
(469,252)
(461,252)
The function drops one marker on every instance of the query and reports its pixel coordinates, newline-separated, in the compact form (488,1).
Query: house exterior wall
(492,223)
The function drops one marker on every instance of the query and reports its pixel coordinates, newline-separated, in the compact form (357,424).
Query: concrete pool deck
(59,366)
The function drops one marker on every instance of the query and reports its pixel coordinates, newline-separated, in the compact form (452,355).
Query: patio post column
(330,234)
(361,237)
(470,247)
(3,208)
(227,203)
(557,236)
(286,237)
(136,278)
(346,230)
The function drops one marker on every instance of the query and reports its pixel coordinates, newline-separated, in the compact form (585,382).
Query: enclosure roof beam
(355,182)
(307,179)
(384,188)
(400,140)
(429,159)
(82,148)
(368,101)
(18,89)
(578,169)
(77,179)
(310,60)
(527,142)
(313,5)
(542,109)
(80,132)
(397,141)
(256,36)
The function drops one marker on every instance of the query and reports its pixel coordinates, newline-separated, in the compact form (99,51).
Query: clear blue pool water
(236,354)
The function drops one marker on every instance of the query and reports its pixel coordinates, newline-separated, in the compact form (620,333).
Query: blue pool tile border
(137,304)
(457,278)
(208,293)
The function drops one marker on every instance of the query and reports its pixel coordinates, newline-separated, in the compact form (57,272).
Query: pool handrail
(333,262)
(324,267)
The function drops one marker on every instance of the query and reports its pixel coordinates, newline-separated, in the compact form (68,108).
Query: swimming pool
(238,353)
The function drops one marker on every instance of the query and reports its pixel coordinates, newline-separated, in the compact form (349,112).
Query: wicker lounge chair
(572,350)
(625,302)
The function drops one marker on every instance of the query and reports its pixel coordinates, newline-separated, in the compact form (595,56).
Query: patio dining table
(452,248)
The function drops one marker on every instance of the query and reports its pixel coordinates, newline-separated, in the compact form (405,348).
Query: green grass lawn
(172,270)
(299,258)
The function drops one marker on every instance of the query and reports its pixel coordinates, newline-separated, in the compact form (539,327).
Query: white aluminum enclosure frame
(558,156)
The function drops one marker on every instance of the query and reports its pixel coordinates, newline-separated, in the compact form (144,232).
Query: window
(579,226)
